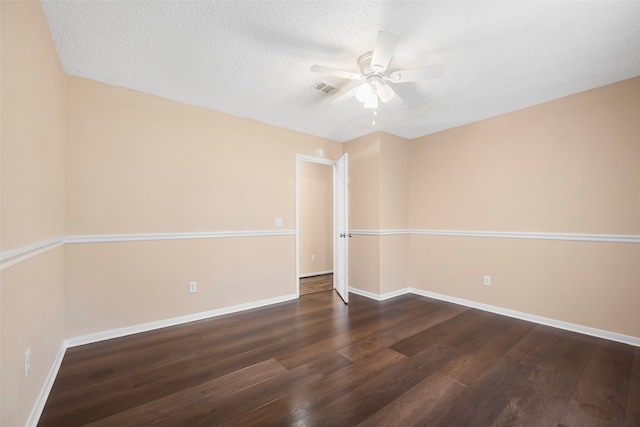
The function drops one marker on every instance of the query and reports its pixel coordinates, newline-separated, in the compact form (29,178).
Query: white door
(341,228)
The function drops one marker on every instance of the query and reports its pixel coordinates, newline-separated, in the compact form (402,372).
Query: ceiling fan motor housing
(364,62)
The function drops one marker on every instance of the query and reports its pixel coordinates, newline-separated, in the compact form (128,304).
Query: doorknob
(349,234)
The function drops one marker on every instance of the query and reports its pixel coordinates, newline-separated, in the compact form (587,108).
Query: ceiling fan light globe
(385,93)
(364,92)
(372,102)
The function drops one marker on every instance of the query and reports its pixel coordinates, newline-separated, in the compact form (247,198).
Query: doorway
(321,221)
(315,200)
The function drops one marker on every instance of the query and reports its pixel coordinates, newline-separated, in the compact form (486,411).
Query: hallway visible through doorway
(313,284)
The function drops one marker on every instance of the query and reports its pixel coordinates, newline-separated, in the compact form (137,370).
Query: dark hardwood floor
(317,362)
(313,284)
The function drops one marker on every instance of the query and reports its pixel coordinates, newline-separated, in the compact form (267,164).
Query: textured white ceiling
(252,59)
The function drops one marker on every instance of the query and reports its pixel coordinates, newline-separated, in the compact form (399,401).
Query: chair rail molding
(580,237)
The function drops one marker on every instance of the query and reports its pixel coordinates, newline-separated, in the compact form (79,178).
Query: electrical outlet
(193,287)
(313,258)
(487,280)
(278,222)
(27,362)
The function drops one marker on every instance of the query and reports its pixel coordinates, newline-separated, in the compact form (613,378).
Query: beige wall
(364,182)
(364,211)
(117,285)
(32,205)
(33,128)
(379,200)
(142,164)
(394,182)
(394,263)
(315,190)
(585,283)
(570,165)
(364,263)
(394,212)
(567,166)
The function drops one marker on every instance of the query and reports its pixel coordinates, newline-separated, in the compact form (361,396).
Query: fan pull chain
(375,113)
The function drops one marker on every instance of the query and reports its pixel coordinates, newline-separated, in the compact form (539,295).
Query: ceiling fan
(375,73)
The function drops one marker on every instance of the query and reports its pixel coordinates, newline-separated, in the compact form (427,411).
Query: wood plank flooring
(313,284)
(407,361)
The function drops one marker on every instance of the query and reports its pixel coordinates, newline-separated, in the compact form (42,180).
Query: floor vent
(324,88)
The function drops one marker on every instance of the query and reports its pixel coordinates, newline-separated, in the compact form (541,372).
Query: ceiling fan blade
(335,72)
(385,93)
(383,51)
(422,73)
(345,96)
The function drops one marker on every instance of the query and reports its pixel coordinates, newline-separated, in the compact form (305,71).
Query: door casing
(336,206)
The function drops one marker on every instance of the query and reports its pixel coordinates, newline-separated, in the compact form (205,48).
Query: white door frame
(341,227)
(310,159)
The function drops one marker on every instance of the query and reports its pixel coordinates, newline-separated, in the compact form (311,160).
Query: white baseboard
(144,327)
(317,273)
(38,407)
(379,297)
(364,293)
(393,294)
(586,330)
